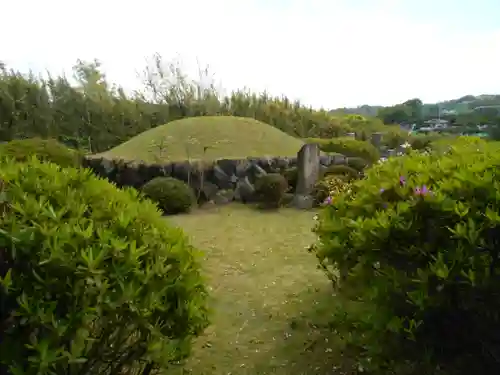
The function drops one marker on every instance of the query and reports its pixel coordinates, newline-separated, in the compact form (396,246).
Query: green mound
(209,138)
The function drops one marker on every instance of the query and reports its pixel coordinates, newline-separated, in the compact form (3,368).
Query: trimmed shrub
(287,199)
(423,141)
(93,279)
(343,170)
(356,163)
(173,196)
(348,147)
(394,136)
(43,149)
(334,127)
(416,244)
(443,144)
(270,190)
(365,124)
(291,175)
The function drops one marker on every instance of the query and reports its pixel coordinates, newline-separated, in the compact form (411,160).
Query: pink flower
(422,190)
(402,180)
(328,200)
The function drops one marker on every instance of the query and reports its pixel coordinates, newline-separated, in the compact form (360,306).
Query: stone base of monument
(303,202)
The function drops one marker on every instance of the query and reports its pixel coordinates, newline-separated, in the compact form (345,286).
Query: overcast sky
(328,53)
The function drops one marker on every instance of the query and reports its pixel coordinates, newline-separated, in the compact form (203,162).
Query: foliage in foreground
(44,149)
(444,145)
(357,163)
(93,279)
(173,196)
(415,246)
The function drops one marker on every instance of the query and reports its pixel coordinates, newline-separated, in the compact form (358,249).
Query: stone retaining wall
(220,181)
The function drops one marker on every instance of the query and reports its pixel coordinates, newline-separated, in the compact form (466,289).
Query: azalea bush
(414,249)
(92,279)
(329,187)
(348,173)
(442,145)
(44,149)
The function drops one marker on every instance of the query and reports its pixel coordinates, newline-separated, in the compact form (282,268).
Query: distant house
(488,109)
(430,126)
(436,123)
(448,112)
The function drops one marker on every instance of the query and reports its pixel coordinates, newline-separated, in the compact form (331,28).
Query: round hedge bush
(270,189)
(93,279)
(356,163)
(291,175)
(424,141)
(416,245)
(342,170)
(394,136)
(44,149)
(173,196)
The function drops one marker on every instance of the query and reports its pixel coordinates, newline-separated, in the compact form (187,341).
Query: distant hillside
(461,105)
(364,110)
(469,102)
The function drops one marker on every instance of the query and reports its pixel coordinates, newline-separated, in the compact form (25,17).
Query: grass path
(269,299)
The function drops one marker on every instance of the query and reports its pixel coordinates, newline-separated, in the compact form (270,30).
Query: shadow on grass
(300,341)
(271,304)
(309,344)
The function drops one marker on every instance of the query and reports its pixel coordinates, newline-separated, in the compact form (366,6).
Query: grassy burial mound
(209,138)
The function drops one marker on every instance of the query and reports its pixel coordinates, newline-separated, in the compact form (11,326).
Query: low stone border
(221,181)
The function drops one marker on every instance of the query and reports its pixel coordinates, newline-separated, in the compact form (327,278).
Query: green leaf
(6,281)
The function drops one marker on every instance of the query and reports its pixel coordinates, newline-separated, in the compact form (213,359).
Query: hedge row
(349,147)
(92,279)
(415,246)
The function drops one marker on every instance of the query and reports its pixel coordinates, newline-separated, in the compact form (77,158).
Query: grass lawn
(270,301)
(207,138)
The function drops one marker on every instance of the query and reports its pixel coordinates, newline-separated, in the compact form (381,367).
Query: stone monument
(308,164)
(376,140)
